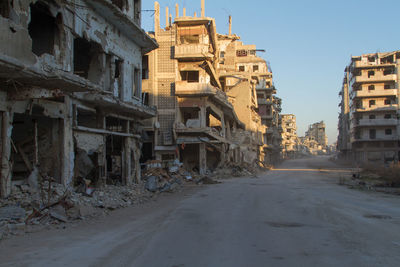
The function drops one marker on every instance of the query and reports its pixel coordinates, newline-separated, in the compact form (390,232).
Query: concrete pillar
(166,17)
(176,11)
(6,167)
(126,162)
(203,117)
(156,17)
(203,12)
(223,125)
(202,159)
(230,25)
(68,153)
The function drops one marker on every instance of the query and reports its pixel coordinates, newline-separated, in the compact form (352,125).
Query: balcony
(391,107)
(378,138)
(263,101)
(374,93)
(271,89)
(194,51)
(376,122)
(184,88)
(375,78)
(366,64)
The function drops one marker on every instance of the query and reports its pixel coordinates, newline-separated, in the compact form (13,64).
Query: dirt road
(296,215)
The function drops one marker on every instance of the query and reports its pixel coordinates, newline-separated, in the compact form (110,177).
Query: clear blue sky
(308,43)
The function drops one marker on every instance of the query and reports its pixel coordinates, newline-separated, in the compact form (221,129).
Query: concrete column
(126,162)
(202,159)
(176,11)
(6,167)
(223,125)
(68,153)
(203,117)
(156,18)
(166,17)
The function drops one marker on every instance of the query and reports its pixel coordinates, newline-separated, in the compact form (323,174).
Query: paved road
(293,216)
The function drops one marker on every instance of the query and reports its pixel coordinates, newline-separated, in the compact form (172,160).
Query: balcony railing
(183,88)
(390,107)
(367,64)
(374,78)
(377,122)
(373,93)
(192,51)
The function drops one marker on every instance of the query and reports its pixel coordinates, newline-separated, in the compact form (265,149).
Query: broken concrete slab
(12,213)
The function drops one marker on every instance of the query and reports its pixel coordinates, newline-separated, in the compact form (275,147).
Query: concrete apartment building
(371,96)
(196,123)
(70,91)
(316,131)
(343,141)
(269,108)
(289,135)
(204,87)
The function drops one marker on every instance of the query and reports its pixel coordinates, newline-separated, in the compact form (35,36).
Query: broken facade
(70,91)
(289,135)
(370,109)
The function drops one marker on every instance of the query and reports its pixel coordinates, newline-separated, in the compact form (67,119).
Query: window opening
(190,76)
(145,67)
(371,73)
(372,103)
(388,131)
(42,29)
(372,134)
(371,87)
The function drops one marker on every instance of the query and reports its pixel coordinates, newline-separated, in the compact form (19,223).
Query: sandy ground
(296,215)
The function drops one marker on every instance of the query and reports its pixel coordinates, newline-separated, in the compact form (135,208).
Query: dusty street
(282,218)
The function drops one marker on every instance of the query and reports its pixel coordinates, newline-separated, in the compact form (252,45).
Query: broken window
(190,76)
(87,59)
(372,117)
(114,124)
(388,116)
(371,73)
(86,118)
(255,68)
(136,82)
(388,71)
(121,4)
(371,59)
(190,39)
(222,54)
(372,134)
(371,87)
(372,103)
(241,68)
(388,86)
(388,131)
(145,67)
(5,8)
(241,53)
(136,11)
(42,29)
(388,101)
(253,52)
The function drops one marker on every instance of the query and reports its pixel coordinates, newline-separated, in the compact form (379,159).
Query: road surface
(296,215)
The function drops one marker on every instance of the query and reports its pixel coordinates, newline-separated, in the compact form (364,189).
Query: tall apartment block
(70,91)
(204,87)
(316,131)
(269,108)
(373,92)
(289,135)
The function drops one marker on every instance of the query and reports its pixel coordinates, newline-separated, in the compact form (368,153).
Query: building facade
(289,136)
(373,106)
(70,91)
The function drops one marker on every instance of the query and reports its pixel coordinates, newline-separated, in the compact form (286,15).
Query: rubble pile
(55,204)
(161,177)
(230,170)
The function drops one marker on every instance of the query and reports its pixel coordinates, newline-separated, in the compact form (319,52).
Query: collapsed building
(368,122)
(204,87)
(70,91)
(315,141)
(269,108)
(289,136)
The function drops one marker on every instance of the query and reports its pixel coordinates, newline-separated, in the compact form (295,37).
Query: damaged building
(369,118)
(70,91)
(195,121)
(289,136)
(204,86)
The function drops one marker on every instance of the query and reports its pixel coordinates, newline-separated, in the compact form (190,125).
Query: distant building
(289,135)
(368,122)
(316,131)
